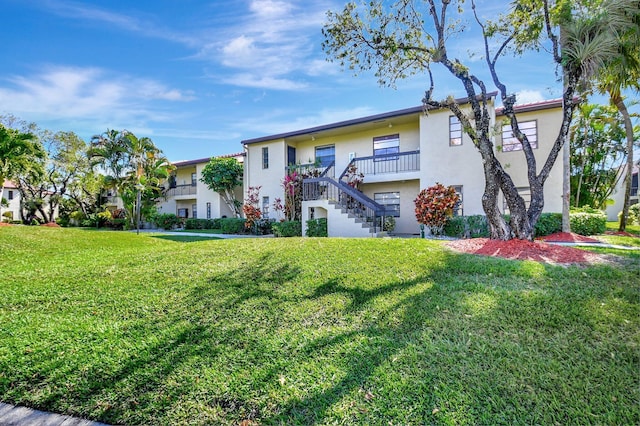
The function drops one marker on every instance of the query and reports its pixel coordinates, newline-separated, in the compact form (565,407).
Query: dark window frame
(510,143)
(321,159)
(386,150)
(377,196)
(455,131)
(265,157)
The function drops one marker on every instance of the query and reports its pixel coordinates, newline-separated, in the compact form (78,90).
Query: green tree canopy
(597,154)
(223,175)
(20,154)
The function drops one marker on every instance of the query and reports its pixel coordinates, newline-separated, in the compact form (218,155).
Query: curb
(12,415)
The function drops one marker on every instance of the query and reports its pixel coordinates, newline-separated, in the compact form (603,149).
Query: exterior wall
(200,198)
(270,179)
(450,165)
(14,204)
(457,165)
(618,195)
(548,125)
(406,223)
(338,225)
(360,144)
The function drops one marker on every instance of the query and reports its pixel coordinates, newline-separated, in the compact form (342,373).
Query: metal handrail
(181,190)
(354,201)
(408,161)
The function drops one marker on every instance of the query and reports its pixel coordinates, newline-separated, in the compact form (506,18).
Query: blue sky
(197,77)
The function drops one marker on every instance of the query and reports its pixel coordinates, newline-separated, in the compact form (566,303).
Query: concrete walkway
(11,415)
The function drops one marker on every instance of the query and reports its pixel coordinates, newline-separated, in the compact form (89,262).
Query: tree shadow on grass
(261,342)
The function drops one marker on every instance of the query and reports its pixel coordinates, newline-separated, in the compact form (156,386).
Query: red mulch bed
(525,250)
(566,237)
(621,234)
(5,224)
(51,225)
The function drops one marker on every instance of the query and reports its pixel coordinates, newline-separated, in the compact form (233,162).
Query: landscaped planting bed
(139,329)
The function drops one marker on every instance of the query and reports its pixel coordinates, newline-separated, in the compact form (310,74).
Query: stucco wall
(548,125)
(269,179)
(406,223)
(450,165)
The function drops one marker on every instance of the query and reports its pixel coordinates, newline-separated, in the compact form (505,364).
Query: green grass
(632,229)
(130,329)
(201,231)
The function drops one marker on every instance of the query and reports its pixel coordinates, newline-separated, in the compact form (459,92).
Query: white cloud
(273,47)
(528,96)
(264,82)
(86,94)
(280,121)
(84,12)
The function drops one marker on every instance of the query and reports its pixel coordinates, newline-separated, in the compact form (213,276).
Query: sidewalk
(11,415)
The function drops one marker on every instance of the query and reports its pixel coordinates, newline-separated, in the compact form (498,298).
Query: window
(384,145)
(265,157)
(265,207)
(325,155)
(458,208)
(455,131)
(524,192)
(194,179)
(208,210)
(194,211)
(511,143)
(391,202)
(183,213)
(10,195)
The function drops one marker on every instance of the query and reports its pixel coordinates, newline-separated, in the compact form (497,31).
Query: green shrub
(165,221)
(587,223)
(116,223)
(232,225)
(548,223)
(634,215)
(634,212)
(389,224)
(291,228)
(477,226)
(455,227)
(63,221)
(192,224)
(216,223)
(317,228)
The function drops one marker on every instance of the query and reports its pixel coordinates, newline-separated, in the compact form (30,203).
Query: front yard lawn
(134,329)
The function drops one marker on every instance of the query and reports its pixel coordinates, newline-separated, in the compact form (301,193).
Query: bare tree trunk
(566,184)
(627,187)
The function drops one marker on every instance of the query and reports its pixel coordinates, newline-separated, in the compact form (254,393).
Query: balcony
(180,190)
(378,168)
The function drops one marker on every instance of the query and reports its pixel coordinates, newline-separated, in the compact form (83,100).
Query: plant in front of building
(251,207)
(435,205)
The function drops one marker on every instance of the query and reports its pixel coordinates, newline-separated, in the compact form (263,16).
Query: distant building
(187,197)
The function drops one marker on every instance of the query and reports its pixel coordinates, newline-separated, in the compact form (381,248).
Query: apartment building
(188,197)
(399,153)
(12,195)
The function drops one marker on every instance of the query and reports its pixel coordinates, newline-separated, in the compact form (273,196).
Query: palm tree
(136,168)
(19,153)
(622,72)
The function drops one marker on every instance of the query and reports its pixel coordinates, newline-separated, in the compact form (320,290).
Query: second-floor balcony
(180,190)
(386,165)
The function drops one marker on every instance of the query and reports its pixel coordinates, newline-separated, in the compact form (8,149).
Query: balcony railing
(312,169)
(397,162)
(181,190)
